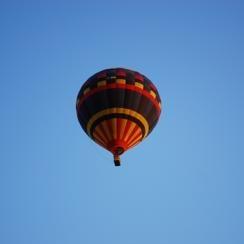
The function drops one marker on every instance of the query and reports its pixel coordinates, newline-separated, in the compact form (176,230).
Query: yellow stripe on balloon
(140,85)
(101,83)
(122,128)
(100,133)
(120,81)
(153,94)
(125,111)
(133,125)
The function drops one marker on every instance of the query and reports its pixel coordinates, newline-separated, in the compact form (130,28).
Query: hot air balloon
(118,108)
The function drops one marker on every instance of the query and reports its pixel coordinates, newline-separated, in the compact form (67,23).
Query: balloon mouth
(117,148)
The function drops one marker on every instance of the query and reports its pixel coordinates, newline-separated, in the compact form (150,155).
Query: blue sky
(184,184)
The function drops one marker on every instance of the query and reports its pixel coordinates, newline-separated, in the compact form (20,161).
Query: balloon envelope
(118,108)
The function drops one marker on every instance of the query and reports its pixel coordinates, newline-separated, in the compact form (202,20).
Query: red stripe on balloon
(122,86)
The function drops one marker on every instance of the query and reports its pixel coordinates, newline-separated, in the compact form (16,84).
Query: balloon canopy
(118,108)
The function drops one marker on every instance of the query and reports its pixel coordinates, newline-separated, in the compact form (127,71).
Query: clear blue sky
(184,184)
